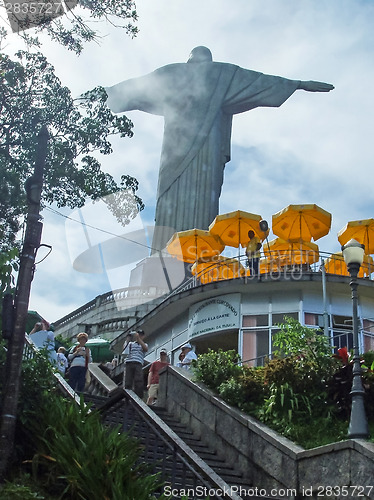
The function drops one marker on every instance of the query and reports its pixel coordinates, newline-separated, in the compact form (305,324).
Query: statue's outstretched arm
(312,86)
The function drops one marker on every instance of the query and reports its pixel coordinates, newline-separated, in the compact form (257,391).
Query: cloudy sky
(315,148)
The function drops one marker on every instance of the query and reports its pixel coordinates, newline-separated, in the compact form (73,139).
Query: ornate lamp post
(353,253)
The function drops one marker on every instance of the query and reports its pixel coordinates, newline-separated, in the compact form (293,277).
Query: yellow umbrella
(268,265)
(360,230)
(291,252)
(335,265)
(194,244)
(233,227)
(218,268)
(301,222)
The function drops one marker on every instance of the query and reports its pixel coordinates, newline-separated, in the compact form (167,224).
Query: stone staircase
(170,448)
(206,452)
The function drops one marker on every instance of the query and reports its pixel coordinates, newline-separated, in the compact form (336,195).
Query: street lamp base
(358,425)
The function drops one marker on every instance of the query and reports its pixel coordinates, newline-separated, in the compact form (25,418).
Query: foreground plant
(67,449)
(83,459)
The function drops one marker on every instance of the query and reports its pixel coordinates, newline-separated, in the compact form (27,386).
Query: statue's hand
(312,86)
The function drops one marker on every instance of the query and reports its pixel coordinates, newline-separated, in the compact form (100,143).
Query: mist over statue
(198,100)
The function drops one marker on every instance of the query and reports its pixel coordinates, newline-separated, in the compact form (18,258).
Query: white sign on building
(214,314)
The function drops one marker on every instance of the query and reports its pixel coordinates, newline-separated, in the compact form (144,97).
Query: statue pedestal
(165,273)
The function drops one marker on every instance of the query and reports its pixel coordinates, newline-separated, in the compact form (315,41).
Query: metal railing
(121,294)
(337,340)
(273,265)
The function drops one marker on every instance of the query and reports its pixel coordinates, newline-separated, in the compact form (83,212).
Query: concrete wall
(108,315)
(268,459)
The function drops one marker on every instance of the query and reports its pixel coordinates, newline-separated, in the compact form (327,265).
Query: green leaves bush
(246,389)
(68,451)
(82,459)
(214,368)
(303,393)
(18,491)
(294,339)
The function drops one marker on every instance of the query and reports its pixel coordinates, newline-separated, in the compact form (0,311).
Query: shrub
(294,339)
(281,371)
(298,372)
(37,385)
(339,391)
(232,391)
(311,432)
(368,357)
(284,404)
(83,459)
(214,368)
(304,393)
(253,388)
(17,491)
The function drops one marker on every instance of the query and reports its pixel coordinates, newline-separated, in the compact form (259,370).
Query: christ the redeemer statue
(198,100)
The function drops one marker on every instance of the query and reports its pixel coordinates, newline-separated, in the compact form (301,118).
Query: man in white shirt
(189,356)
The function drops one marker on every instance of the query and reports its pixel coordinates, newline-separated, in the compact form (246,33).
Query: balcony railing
(272,265)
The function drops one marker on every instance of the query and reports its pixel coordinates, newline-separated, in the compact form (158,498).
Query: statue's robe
(197,100)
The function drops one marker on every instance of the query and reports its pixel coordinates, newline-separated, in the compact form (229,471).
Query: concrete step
(161,458)
(225,470)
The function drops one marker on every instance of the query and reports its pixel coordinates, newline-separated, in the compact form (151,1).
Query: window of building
(280,317)
(312,319)
(255,320)
(368,335)
(342,335)
(256,336)
(255,347)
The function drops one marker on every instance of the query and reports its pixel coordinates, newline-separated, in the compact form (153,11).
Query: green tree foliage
(8,264)
(81,24)
(31,95)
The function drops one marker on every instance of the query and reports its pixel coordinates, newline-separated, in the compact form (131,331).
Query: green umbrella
(100,349)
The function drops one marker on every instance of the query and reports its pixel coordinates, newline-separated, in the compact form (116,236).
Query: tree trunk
(16,342)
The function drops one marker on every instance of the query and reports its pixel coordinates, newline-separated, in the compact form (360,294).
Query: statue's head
(200,54)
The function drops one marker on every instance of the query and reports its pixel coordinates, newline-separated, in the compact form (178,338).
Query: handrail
(192,464)
(279,263)
(100,384)
(112,296)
